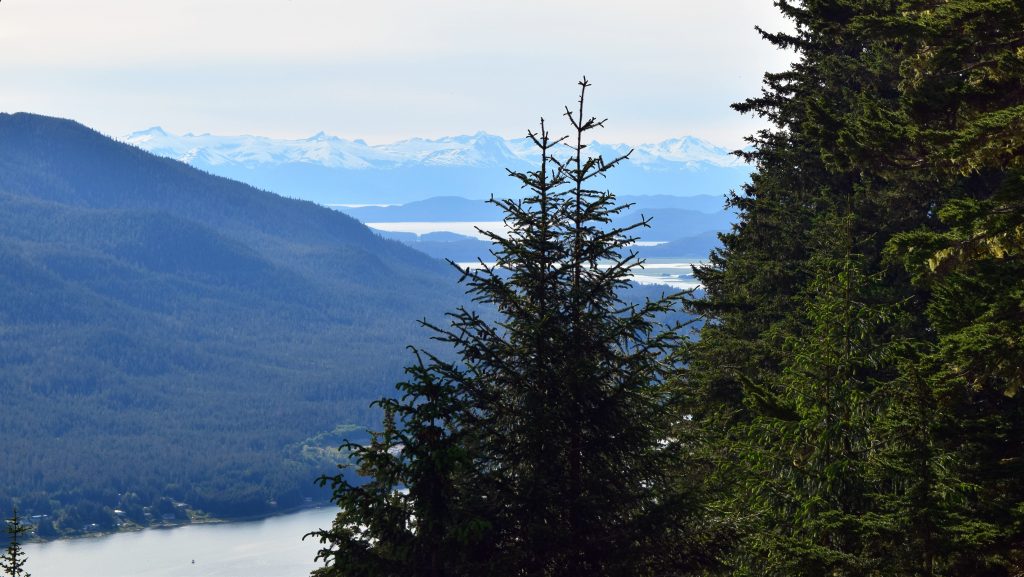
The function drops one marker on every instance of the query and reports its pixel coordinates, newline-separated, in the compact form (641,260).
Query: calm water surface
(268,548)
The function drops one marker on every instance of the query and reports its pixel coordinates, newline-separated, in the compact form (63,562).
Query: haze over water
(270,547)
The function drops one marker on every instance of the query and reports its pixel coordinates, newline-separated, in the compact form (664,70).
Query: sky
(384,70)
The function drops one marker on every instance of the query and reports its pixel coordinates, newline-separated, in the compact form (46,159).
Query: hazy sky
(387,69)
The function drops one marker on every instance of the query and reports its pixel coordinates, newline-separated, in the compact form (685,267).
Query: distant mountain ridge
(480,149)
(455,208)
(329,170)
(687,225)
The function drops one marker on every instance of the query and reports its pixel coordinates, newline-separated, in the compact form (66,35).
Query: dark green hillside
(168,333)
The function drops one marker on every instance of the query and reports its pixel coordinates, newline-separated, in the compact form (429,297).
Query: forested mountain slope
(168,333)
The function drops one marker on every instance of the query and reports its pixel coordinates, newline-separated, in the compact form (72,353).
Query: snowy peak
(155,131)
(322,137)
(689,149)
(480,149)
(208,150)
(147,134)
(476,150)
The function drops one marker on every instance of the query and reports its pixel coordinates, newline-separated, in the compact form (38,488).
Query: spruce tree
(796,370)
(857,383)
(964,94)
(546,447)
(12,561)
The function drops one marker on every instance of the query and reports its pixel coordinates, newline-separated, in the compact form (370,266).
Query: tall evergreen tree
(807,311)
(964,93)
(546,448)
(857,382)
(12,561)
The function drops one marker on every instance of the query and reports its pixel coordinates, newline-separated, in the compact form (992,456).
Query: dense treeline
(853,406)
(855,394)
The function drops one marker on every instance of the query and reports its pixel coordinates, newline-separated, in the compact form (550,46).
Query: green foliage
(12,561)
(546,448)
(856,383)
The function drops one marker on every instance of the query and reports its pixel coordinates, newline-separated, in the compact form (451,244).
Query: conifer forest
(839,394)
(849,401)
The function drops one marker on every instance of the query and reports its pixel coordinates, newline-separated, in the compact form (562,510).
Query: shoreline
(192,521)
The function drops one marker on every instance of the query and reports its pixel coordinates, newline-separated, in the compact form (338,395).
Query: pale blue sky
(387,69)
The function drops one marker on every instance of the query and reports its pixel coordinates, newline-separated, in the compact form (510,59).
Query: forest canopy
(853,403)
(857,384)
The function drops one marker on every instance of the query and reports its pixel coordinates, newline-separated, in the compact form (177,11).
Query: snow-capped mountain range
(480,149)
(333,170)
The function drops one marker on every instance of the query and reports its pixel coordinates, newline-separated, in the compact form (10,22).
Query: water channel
(271,547)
